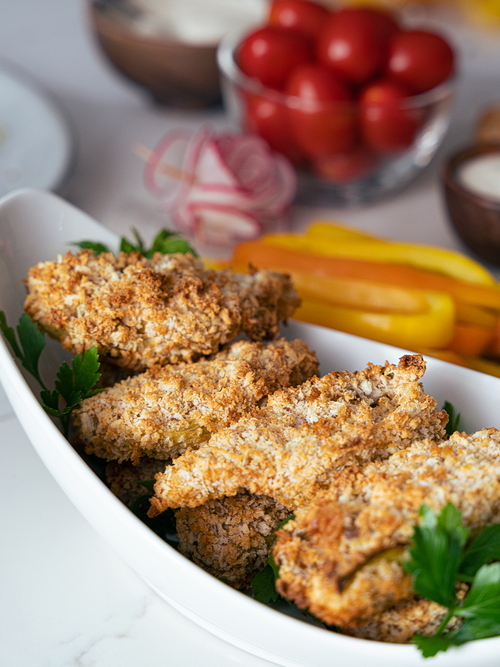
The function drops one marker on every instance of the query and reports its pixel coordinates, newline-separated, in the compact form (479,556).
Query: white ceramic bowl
(36,226)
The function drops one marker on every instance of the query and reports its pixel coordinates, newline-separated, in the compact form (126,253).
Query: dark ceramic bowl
(174,73)
(475,218)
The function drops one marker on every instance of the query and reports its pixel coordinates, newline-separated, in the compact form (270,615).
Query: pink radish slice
(175,189)
(227,186)
(152,171)
(217,224)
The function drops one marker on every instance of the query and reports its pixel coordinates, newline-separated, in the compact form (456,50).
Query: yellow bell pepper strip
(359,294)
(355,293)
(216,264)
(469,339)
(438,260)
(337,230)
(483,365)
(278,258)
(433,328)
(417,251)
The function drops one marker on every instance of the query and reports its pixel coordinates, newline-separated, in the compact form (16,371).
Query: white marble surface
(65,598)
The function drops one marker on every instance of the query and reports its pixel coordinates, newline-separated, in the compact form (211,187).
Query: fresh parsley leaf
(72,384)
(285,521)
(263,584)
(475,628)
(165,241)
(98,248)
(9,334)
(86,372)
(436,554)
(483,599)
(50,401)
(168,242)
(439,545)
(484,548)
(454,418)
(126,246)
(430,646)
(31,343)
(148,484)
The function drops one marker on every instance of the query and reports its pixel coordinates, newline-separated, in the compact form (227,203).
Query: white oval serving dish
(37,225)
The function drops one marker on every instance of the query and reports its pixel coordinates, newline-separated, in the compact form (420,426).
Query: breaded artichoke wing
(140,312)
(342,557)
(291,448)
(166,410)
(231,538)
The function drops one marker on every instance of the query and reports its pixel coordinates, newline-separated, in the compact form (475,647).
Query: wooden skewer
(173,172)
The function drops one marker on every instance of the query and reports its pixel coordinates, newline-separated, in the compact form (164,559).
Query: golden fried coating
(398,624)
(291,448)
(166,410)
(230,537)
(140,312)
(342,557)
(124,478)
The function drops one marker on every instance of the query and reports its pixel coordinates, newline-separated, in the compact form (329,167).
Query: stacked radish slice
(221,188)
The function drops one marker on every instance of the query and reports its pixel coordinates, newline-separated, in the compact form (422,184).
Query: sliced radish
(222,188)
(216,225)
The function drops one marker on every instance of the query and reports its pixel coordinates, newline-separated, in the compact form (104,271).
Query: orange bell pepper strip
(433,328)
(276,258)
(439,260)
(470,339)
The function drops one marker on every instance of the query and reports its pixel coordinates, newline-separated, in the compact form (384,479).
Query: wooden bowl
(475,218)
(174,73)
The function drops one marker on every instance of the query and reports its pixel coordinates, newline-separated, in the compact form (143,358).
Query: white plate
(37,226)
(35,142)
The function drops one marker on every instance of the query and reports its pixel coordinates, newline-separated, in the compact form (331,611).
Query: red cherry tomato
(323,121)
(387,125)
(302,16)
(270,121)
(420,60)
(346,167)
(354,43)
(270,54)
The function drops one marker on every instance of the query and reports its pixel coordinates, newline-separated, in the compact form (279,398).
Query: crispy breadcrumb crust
(334,557)
(140,312)
(165,410)
(291,448)
(124,478)
(230,538)
(398,624)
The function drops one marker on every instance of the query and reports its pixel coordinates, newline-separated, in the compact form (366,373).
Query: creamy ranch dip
(481,175)
(196,21)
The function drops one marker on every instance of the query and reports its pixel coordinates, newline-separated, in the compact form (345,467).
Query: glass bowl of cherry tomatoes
(358,103)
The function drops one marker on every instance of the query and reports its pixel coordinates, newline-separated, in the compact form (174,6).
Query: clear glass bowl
(335,163)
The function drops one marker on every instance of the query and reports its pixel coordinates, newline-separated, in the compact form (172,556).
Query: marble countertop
(66,598)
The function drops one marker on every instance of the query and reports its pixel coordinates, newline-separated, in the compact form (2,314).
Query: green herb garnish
(264,582)
(73,384)
(441,557)
(454,418)
(164,524)
(166,242)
